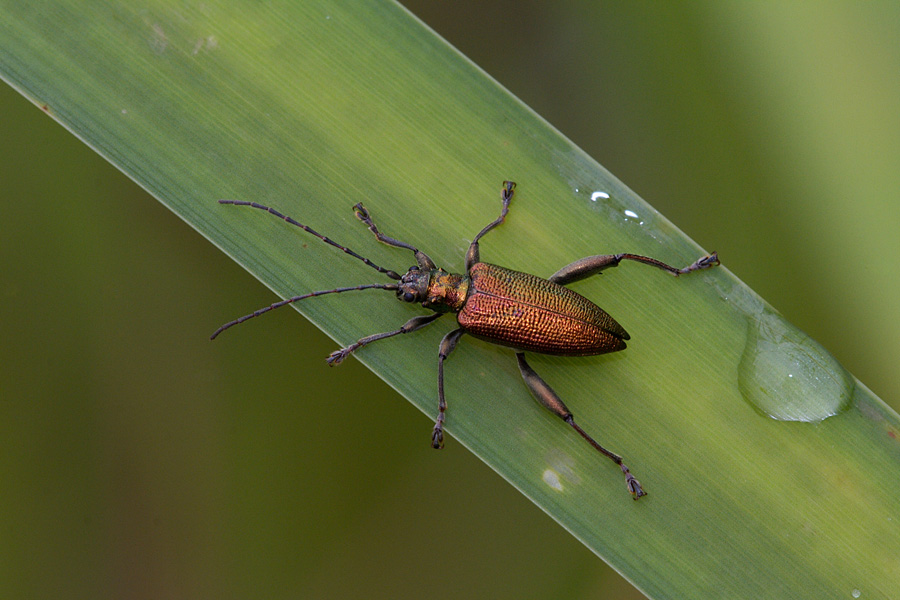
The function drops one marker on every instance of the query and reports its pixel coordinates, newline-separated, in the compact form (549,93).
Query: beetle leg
(422,259)
(506,194)
(325,239)
(592,265)
(447,346)
(544,394)
(338,356)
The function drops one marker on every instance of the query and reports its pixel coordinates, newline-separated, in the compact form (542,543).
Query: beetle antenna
(327,240)
(371,286)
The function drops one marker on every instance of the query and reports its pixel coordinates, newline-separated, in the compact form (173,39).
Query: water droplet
(551,478)
(631,213)
(856,593)
(598,195)
(788,376)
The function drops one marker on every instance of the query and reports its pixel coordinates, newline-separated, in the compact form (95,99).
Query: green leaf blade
(312,108)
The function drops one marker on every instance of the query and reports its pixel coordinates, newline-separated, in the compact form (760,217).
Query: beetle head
(414,285)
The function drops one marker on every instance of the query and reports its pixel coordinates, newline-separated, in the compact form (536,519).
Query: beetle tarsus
(631,482)
(338,356)
(710,260)
(437,434)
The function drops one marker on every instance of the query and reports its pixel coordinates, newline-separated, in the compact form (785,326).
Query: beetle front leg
(338,356)
(544,394)
(447,346)
(363,215)
(592,265)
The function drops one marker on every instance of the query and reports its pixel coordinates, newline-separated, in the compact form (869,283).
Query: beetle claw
(633,485)
(437,437)
(361,212)
(338,356)
(710,260)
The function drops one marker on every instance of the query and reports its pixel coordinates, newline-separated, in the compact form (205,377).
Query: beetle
(522,311)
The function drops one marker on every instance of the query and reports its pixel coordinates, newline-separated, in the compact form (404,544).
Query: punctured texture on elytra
(529,313)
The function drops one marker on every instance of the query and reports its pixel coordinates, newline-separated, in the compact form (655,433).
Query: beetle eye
(408,297)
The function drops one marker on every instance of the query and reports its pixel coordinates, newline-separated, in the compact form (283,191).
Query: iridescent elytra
(521,311)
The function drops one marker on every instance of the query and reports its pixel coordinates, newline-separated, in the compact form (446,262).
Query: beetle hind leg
(593,265)
(544,394)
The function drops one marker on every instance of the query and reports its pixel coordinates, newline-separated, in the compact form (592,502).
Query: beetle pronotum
(524,312)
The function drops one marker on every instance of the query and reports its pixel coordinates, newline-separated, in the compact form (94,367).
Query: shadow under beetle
(522,311)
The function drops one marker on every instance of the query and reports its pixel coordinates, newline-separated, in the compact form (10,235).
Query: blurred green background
(139,460)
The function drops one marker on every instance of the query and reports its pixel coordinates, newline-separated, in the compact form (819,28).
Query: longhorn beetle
(522,311)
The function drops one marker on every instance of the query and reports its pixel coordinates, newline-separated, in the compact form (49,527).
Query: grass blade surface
(312,107)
